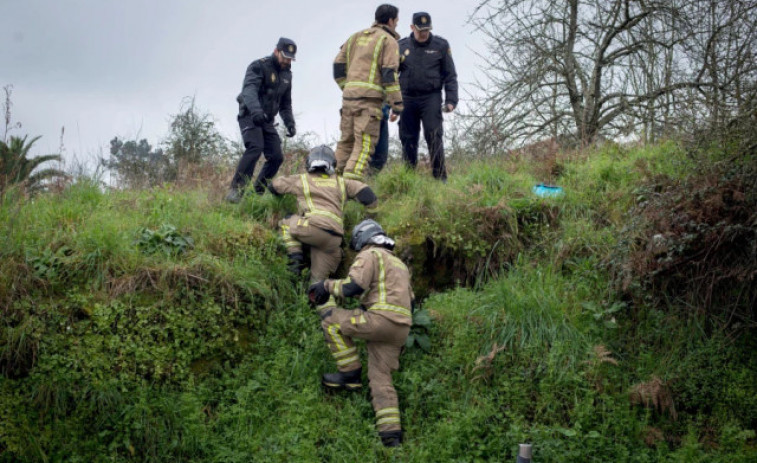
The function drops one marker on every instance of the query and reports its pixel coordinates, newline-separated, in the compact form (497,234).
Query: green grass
(112,352)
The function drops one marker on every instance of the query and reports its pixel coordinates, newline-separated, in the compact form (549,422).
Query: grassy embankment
(162,326)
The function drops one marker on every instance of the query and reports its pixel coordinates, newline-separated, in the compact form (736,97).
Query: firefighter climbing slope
(321,195)
(382,282)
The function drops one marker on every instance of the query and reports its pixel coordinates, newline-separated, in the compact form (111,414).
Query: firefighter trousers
(325,247)
(384,344)
(360,127)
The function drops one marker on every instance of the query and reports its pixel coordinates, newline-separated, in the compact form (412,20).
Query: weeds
(209,352)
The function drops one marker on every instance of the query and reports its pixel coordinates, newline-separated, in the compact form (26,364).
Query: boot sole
(347,386)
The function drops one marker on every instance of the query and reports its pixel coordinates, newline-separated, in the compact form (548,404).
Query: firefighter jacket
(386,283)
(367,65)
(427,67)
(268,89)
(321,197)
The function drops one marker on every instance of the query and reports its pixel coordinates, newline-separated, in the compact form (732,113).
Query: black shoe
(296,263)
(348,380)
(260,188)
(233,196)
(391,438)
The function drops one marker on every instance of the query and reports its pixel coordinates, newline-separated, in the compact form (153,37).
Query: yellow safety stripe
(347,361)
(382,277)
(387,411)
(374,64)
(330,303)
(358,320)
(391,308)
(342,353)
(289,242)
(333,331)
(328,214)
(388,420)
(337,289)
(365,153)
(382,305)
(393,88)
(306,191)
(349,47)
(353,176)
(343,189)
(369,85)
(312,210)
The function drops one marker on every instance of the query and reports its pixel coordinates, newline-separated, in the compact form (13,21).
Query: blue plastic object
(547,191)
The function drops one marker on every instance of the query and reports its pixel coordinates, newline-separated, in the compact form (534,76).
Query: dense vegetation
(614,323)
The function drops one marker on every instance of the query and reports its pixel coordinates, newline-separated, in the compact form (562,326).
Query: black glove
(291,131)
(259,119)
(318,294)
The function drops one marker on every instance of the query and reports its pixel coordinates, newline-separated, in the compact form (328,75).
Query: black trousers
(257,140)
(381,153)
(426,109)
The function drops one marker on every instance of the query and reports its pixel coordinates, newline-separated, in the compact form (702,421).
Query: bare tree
(584,69)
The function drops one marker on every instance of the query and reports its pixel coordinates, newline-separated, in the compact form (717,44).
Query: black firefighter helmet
(363,232)
(323,158)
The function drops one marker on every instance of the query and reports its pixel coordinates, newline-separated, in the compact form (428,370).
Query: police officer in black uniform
(426,67)
(266,91)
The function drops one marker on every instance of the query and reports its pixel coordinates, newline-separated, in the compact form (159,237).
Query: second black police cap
(287,47)
(422,21)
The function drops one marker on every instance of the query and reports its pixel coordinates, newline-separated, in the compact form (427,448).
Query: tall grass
(109,352)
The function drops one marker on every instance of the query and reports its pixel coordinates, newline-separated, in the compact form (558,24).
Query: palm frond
(17,168)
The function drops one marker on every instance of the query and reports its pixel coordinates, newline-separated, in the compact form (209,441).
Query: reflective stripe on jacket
(386,283)
(367,66)
(321,197)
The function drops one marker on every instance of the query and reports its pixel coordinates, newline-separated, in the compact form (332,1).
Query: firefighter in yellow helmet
(382,282)
(366,71)
(321,195)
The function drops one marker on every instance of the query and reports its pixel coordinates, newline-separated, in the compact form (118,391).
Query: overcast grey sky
(103,68)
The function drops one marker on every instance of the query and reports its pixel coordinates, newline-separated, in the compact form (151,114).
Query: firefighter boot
(347,380)
(296,263)
(391,438)
(233,196)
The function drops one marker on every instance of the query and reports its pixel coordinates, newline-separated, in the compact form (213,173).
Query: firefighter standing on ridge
(425,67)
(266,91)
(366,71)
(321,195)
(382,281)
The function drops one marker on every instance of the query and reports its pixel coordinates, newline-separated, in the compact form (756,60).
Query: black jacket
(268,89)
(427,67)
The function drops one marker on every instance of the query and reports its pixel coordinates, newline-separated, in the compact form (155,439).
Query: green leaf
(424,342)
(422,318)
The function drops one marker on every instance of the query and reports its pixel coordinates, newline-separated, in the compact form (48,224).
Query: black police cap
(287,47)
(422,21)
